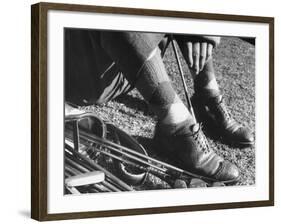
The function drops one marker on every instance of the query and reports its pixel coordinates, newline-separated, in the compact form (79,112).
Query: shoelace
(201,141)
(219,111)
(231,123)
(222,108)
(226,118)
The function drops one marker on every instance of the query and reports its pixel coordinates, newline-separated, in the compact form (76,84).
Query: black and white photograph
(157,111)
(140,111)
(135,111)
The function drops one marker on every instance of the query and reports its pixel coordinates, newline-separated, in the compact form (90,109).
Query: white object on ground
(69,110)
(93,177)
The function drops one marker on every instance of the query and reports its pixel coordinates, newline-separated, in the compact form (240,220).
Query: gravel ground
(234,62)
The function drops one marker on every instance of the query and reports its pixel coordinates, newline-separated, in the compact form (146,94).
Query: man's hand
(198,50)
(198,53)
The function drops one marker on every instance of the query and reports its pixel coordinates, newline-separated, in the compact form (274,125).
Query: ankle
(175,128)
(206,94)
(206,88)
(176,113)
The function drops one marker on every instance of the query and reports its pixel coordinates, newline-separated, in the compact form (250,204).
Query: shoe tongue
(195,128)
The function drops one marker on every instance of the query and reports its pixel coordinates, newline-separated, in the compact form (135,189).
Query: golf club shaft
(182,78)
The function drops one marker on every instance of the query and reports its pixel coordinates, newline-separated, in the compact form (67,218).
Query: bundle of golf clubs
(100,157)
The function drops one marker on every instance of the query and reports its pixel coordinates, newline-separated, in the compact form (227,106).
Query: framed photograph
(138,111)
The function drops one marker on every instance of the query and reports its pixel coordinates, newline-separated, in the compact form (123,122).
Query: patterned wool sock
(154,85)
(205,84)
(141,63)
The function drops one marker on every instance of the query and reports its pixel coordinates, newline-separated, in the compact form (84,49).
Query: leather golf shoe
(215,110)
(189,149)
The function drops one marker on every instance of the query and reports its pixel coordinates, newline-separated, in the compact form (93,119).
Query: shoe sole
(241,144)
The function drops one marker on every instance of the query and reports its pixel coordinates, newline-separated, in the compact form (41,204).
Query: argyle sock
(154,85)
(143,67)
(205,84)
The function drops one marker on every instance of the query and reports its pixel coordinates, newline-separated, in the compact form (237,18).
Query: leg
(176,131)
(139,59)
(209,101)
(91,76)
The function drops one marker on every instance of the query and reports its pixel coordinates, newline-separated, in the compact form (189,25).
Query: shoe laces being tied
(200,138)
